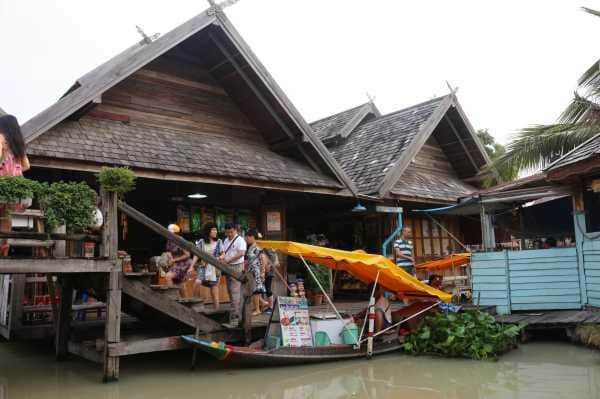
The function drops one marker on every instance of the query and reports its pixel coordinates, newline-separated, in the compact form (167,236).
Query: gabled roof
(343,123)
(378,152)
(214,28)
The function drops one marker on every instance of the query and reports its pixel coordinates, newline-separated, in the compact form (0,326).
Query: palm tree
(537,146)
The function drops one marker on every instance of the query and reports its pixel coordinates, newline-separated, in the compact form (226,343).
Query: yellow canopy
(361,265)
(446,262)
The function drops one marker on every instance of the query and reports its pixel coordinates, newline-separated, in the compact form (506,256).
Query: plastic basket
(350,334)
(322,339)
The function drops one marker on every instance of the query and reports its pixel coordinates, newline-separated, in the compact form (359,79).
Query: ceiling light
(197,196)
(359,208)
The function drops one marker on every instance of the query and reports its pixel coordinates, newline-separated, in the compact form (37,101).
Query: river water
(536,370)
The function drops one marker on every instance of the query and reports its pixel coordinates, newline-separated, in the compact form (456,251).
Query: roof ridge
(338,113)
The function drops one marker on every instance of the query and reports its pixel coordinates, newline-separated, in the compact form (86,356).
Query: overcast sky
(515,61)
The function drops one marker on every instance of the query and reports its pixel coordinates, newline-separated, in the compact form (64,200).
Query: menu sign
(273,221)
(295,321)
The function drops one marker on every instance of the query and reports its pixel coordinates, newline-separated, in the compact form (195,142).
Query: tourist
(208,275)
(233,255)
(403,249)
(180,261)
(256,265)
(271,262)
(14,162)
(383,310)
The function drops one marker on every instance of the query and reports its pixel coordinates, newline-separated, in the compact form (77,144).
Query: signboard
(295,321)
(388,209)
(273,221)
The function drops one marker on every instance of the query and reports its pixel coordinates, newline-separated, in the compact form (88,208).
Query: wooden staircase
(164,300)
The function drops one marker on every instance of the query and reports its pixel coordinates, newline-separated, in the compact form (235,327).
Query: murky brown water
(537,370)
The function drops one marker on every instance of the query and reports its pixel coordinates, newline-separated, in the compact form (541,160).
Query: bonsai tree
(69,203)
(14,190)
(120,180)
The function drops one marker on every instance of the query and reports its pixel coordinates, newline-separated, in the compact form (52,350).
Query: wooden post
(580,230)
(247,289)
(63,321)
(109,248)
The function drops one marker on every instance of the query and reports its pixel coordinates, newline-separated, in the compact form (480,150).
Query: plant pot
(317,298)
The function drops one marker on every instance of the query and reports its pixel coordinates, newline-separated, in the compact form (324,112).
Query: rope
(403,321)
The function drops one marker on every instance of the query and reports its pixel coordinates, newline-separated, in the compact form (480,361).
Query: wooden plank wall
(490,280)
(591,259)
(544,279)
(174,94)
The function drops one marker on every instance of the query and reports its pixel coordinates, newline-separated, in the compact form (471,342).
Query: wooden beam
(49,265)
(182,242)
(44,162)
(49,236)
(63,323)
(85,351)
(462,143)
(164,304)
(263,100)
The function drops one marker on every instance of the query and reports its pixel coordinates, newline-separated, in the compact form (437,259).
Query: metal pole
(324,293)
(371,327)
(393,235)
(362,330)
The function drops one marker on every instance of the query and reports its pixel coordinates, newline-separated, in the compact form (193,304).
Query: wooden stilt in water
(64,317)
(195,352)
(247,290)
(110,240)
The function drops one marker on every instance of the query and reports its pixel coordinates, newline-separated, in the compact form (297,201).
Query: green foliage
(15,189)
(69,203)
(120,180)
(322,274)
(496,151)
(472,334)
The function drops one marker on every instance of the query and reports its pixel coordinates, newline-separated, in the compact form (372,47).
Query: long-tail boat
(367,268)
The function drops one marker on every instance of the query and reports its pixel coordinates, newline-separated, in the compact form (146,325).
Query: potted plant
(67,203)
(120,180)
(315,294)
(17,191)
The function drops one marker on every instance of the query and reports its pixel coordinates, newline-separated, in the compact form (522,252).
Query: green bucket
(322,339)
(350,334)
(273,342)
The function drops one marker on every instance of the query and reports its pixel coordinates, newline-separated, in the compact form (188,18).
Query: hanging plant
(69,203)
(120,180)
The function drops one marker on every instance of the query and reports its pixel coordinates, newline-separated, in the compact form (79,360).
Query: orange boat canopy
(445,262)
(361,265)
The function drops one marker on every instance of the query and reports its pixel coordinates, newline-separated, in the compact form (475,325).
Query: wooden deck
(564,318)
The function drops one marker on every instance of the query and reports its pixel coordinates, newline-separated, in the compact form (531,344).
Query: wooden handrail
(182,242)
(50,236)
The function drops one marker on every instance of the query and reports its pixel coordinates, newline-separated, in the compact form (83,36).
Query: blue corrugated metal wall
(527,280)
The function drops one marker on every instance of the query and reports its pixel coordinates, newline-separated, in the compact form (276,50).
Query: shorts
(268,283)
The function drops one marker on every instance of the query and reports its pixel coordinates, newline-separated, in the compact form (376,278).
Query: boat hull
(286,356)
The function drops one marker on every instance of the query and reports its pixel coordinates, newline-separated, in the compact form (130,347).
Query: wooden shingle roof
(242,75)
(342,123)
(583,152)
(160,149)
(378,153)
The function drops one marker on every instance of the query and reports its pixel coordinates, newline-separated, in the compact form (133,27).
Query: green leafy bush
(72,204)
(15,189)
(120,180)
(472,334)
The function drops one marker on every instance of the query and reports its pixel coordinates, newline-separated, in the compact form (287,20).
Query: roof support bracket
(263,100)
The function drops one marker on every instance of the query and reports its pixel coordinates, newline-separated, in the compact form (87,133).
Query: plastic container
(273,342)
(350,334)
(322,339)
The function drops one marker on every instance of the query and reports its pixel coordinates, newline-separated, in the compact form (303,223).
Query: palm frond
(537,146)
(591,11)
(581,110)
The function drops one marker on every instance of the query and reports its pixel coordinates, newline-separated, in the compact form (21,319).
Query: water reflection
(540,370)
